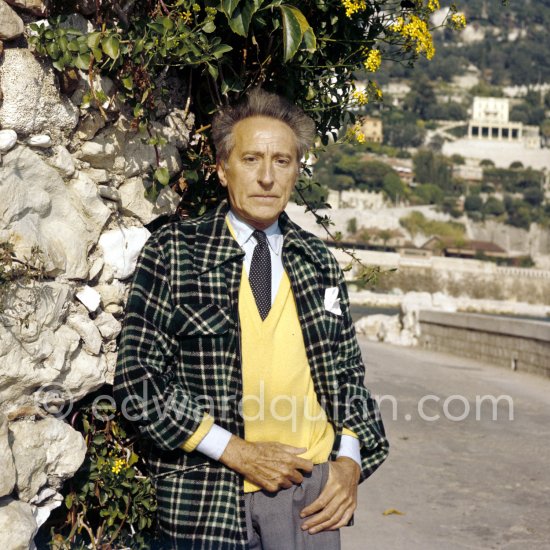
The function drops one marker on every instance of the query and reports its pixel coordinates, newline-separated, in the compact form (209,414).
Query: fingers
(287,454)
(340,518)
(319,504)
(335,505)
(290,449)
(297,461)
(272,466)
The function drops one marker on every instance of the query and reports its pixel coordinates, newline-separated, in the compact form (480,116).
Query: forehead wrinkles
(255,134)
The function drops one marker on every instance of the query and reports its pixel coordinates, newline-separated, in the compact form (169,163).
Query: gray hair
(258,102)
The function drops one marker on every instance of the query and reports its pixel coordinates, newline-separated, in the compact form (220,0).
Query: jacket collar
(215,245)
(295,238)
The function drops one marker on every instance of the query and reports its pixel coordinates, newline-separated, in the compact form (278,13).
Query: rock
(108,326)
(181,123)
(36,7)
(407,338)
(385,328)
(64,222)
(140,156)
(112,294)
(42,141)
(66,342)
(99,154)
(93,208)
(134,202)
(109,193)
(96,268)
(87,374)
(371,325)
(122,150)
(11,25)
(121,248)
(87,331)
(62,160)
(31,101)
(8,139)
(42,504)
(102,85)
(89,297)
(43,451)
(89,125)
(167,201)
(17,524)
(7,467)
(390,329)
(37,351)
(76,21)
(99,176)
(40,304)
(442,302)
(114,309)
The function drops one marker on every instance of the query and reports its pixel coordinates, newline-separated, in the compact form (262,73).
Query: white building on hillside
(354,198)
(491,121)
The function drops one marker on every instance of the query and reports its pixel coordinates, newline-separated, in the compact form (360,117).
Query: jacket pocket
(199,319)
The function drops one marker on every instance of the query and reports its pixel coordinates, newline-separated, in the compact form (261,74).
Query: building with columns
(491,120)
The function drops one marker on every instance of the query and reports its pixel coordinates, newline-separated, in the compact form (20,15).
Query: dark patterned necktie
(260,274)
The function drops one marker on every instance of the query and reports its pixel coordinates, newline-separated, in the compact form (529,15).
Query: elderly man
(239,360)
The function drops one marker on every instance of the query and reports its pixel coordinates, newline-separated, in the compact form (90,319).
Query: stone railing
(511,343)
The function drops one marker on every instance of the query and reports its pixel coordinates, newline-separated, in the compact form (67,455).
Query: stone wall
(72,186)
(510,343)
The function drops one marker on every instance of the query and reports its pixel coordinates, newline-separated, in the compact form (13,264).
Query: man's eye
(249,159)
(283,162)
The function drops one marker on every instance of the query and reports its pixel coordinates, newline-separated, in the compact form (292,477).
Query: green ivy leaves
(111,46)
(296,30)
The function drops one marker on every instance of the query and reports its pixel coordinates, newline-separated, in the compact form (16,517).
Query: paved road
(460,484)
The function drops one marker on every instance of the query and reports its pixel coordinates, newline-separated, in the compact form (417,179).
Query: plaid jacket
(179,356)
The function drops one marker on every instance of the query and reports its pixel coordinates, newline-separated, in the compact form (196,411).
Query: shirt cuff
(213,444)
(349,446)
(195,438)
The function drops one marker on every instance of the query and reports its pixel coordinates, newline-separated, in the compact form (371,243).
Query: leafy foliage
(416,222)
(109,503)
(307,51)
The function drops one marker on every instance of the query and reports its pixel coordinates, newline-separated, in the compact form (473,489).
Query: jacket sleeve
(145,386)
(358,409)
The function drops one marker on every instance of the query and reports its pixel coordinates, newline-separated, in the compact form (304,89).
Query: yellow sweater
(279,401)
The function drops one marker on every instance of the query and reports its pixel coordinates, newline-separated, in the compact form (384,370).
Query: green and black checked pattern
(179,357)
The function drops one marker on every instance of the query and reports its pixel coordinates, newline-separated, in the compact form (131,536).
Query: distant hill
(513,49)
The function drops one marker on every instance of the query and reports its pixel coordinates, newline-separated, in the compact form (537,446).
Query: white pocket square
(332,301)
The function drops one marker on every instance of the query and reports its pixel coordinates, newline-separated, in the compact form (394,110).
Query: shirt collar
(243,232)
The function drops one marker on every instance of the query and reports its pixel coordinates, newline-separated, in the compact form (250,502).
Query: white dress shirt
(215,441)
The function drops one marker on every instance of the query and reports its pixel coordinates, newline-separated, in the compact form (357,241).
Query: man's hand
(338,499)
(270,465)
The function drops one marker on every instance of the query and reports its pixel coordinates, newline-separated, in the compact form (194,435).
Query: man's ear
(220,169)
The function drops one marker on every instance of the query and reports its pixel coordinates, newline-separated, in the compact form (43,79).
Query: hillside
(509,44)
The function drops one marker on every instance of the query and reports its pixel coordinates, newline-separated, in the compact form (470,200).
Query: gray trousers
(273,519)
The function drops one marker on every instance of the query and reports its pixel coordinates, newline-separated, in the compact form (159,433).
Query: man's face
(261,170)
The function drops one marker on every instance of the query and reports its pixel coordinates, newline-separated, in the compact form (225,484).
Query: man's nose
(265,176)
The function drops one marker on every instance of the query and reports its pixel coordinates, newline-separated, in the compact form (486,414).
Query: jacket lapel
(214,244)
(306,273)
